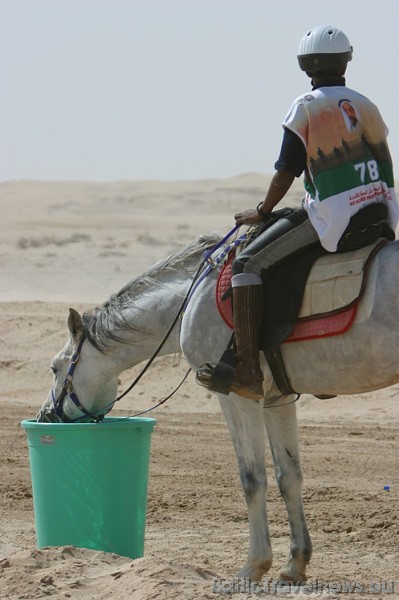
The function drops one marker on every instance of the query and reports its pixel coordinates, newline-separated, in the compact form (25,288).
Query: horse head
(81,390)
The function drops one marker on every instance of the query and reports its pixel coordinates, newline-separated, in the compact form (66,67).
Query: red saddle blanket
(329,324)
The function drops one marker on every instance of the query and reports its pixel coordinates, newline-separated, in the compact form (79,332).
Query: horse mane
(106,323)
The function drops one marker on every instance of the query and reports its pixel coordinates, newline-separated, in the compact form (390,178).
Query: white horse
(129,326)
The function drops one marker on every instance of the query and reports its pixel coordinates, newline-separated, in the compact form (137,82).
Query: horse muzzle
(47,415)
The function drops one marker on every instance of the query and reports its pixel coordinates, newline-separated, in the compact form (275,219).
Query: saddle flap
(335,281)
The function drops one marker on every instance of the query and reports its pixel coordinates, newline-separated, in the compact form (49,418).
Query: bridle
(56,413)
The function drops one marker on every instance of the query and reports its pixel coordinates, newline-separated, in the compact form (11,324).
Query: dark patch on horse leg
(304,554)
(288,452)
(250,483)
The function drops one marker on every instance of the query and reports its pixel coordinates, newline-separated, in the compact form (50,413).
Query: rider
(337,138)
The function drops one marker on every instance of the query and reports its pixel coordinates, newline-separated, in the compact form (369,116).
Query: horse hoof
(255,570)
(291,575)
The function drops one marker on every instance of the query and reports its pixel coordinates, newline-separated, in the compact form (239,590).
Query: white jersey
(348,160)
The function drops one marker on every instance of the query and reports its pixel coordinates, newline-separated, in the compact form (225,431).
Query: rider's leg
(248,313)
(285,237)
(282,239)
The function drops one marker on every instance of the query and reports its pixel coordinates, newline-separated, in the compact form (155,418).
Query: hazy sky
(171,89)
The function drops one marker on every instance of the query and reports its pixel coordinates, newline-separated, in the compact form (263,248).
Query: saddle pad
(329,325)
(329,277)
(223,285)
(335,281)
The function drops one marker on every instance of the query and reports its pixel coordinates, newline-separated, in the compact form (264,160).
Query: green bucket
(89,483)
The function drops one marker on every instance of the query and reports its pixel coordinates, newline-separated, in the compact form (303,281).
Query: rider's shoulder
(305,98)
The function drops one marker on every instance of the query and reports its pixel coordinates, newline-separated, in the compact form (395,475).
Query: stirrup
(216,378)
(221,379)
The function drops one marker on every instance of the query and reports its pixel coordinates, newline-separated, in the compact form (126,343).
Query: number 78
(370,167)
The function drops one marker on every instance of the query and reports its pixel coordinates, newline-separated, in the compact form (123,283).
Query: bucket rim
(110,421)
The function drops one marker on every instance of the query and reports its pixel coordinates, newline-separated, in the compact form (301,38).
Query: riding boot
(248,314)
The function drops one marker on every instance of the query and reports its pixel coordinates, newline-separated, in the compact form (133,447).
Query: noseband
(56,413)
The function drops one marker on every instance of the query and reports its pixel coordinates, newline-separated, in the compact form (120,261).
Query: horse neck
(150,316)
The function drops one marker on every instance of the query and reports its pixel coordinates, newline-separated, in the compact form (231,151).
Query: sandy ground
(65,244)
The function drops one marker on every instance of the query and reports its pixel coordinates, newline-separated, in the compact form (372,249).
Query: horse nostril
(46,416)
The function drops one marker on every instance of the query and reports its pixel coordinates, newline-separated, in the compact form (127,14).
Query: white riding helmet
(324,48)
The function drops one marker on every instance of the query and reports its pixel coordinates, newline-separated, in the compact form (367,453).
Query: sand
(73,244)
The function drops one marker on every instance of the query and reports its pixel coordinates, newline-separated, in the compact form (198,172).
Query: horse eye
(53,369)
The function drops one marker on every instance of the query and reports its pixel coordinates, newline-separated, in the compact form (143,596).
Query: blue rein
(67,388)
(214,262)
(67,391)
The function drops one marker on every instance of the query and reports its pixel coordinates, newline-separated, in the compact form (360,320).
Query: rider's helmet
(324,48)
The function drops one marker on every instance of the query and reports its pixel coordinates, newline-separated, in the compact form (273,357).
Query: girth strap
(277,367)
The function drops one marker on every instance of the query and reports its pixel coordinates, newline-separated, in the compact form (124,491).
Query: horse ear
(75,325)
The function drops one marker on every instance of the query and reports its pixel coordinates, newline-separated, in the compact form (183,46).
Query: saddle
(310,288)
(310,295)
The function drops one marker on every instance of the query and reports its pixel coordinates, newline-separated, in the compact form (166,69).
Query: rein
(57,413)
(195,282)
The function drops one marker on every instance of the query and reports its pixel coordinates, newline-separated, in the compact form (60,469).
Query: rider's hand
(248,217)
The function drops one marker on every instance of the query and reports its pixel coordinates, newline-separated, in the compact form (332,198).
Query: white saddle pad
(335,281)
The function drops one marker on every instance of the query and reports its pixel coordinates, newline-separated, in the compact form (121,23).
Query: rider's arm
(292,154)
(279,186)
(290,164)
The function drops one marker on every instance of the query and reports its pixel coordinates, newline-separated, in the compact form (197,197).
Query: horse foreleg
(245,423)
(281,427)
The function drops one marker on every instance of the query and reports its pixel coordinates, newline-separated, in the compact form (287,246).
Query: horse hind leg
(245,424)
(281,427)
